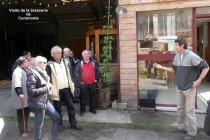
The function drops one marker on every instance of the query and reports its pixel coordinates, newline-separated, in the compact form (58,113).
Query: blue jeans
(76,92)
(39,120)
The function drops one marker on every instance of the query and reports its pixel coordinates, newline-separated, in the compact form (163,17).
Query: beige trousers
(186,111)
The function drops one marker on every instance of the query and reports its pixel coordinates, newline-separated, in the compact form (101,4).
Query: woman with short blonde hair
(38,87)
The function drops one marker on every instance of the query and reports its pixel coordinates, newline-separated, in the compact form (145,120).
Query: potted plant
(103,94)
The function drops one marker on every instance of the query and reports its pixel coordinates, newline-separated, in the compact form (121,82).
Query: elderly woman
(38,88)
(19,93)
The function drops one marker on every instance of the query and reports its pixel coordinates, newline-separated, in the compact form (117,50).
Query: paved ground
(102,131)
(105,125)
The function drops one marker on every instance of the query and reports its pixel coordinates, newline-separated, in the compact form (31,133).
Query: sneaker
(189,137)
(178,131)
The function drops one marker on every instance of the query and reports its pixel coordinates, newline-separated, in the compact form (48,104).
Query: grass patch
(86,123)
(132,125)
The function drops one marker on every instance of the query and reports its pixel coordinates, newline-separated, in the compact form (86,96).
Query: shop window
(159,29)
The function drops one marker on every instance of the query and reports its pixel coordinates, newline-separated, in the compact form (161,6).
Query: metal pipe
(118,59)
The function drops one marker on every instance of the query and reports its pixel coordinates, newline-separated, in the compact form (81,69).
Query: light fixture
(63,3)
(121,10)
(40,3)
(15,1)
(48,5)
(2,3)
(55,5)
(34,1)
(66,1)
(9,2)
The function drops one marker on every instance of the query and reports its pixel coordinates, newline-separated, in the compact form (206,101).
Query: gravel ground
(100,131)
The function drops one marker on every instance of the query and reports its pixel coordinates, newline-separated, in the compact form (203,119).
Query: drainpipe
(118,58)
(195,42)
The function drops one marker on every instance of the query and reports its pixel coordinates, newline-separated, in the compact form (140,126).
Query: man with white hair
(66,55)
(87,73)
(75,61)
(63,87)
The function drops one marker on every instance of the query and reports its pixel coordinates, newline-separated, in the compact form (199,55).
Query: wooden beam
(90,33)
(103,31)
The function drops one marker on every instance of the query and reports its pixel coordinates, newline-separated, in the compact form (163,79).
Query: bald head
(66,52)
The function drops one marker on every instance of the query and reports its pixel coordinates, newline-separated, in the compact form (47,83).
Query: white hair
(66,49)
(55,49)
(38,60)
(84,52)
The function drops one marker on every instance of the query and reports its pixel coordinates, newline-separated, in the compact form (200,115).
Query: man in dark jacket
(67,53)
(74,63)
(87,73)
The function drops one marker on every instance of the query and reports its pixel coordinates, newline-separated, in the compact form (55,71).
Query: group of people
(33,83)
(36,80)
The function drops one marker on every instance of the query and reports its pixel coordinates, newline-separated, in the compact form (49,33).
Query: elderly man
(67,56)
(63,87)
(87,73)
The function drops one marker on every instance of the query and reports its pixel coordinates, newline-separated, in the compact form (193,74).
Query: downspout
(118,58)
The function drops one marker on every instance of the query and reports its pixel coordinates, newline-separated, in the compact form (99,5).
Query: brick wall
(128,41)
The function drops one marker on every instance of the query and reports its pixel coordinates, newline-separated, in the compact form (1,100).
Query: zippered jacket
(51,72)
(78,71)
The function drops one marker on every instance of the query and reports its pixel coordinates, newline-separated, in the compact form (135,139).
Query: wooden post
(97,47)
(88,42)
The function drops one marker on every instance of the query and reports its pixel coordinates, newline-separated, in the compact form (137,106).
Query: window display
(161,28)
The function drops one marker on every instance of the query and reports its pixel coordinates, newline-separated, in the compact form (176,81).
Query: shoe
(178,131)
(25,135)
(77,127)
(74,101)
(93,111)
(189,137)
(82,113)
(60,128)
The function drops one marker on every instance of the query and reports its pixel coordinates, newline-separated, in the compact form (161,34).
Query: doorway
(202,34)
(156,43)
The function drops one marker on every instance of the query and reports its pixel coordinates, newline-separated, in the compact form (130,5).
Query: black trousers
(20,119)
(65,95)
(84,89)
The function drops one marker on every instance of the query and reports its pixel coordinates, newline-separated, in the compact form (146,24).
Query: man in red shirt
(87,73)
